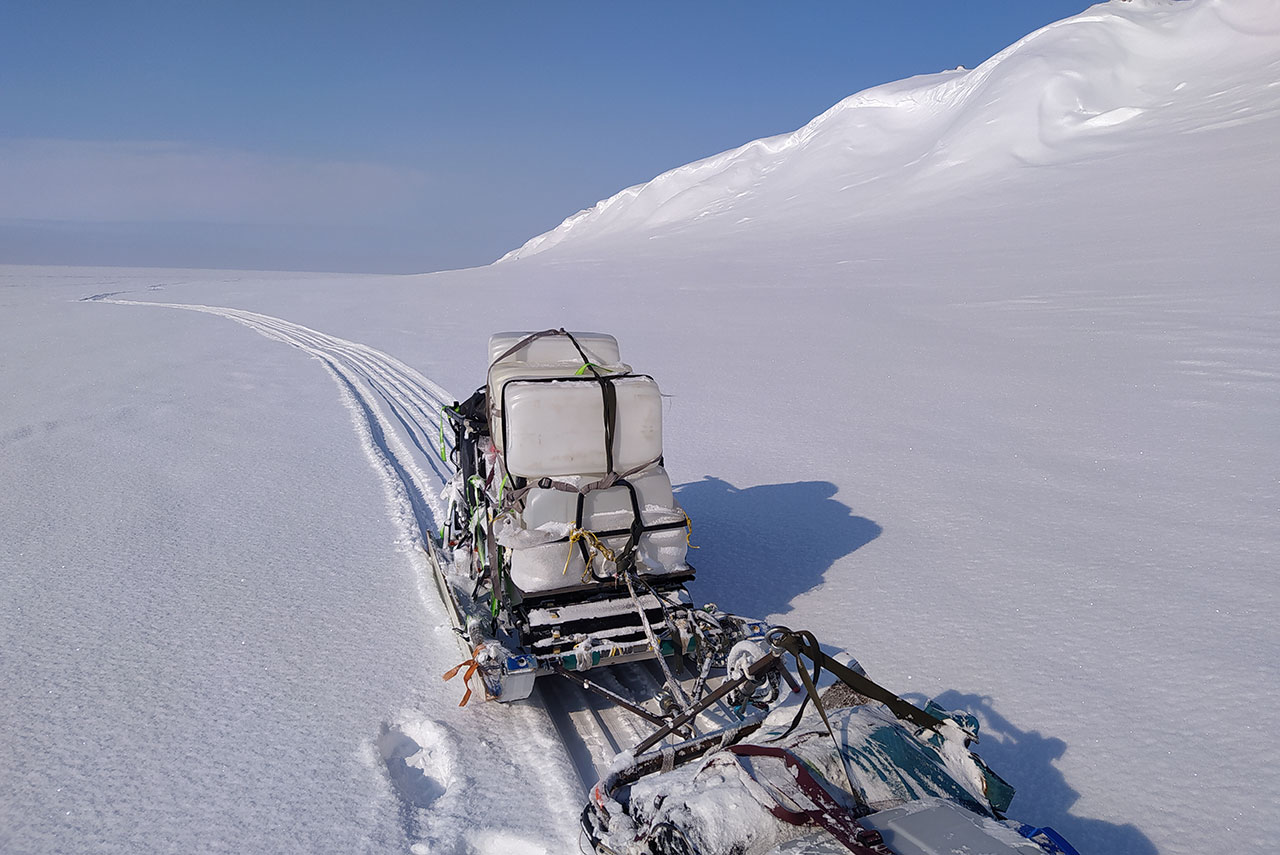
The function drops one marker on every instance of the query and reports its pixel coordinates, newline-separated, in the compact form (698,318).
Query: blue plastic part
(1052,842)
(516,682)
(520,662)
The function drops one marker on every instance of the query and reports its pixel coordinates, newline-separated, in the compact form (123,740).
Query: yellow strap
(594,547)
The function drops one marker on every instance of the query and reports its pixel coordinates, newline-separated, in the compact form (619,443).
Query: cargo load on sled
(567,545)
(565,553)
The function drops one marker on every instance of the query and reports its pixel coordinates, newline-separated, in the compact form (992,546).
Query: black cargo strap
(803,643)
(514,499)
(677,693)
(646,528)
(527,340)
(609,402)
(583,548)
(627,557)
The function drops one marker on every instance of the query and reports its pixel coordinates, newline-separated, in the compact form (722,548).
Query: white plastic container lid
(601,348)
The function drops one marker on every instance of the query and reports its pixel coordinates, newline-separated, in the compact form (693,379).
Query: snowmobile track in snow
(398,408)
(397,412)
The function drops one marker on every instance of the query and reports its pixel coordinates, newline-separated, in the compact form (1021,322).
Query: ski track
(398,412)
(401,407)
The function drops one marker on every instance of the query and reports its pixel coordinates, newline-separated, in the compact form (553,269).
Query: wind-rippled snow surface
(977,377)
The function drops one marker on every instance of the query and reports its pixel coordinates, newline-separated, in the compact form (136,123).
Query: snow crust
(978,379)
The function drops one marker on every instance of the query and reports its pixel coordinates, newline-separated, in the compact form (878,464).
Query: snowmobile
(564,553)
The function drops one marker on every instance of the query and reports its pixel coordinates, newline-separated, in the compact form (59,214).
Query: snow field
(976,377)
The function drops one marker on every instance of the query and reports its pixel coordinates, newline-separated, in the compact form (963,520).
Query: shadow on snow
(763,546)
(1025,758)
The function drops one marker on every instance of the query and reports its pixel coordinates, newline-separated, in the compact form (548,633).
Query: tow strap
(804,643)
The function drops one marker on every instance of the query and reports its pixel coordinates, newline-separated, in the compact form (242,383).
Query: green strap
(441,420)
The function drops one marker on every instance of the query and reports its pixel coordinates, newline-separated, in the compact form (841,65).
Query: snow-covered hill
(977,377)
(1107,81)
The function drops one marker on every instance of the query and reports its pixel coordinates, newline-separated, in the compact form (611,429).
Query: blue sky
(410,136)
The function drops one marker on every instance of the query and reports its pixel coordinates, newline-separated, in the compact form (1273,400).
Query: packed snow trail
(397,412)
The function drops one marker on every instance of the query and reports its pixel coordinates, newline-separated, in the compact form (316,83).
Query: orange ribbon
(471,665)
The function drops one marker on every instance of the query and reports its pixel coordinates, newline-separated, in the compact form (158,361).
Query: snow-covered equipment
(564,551)
(852,768)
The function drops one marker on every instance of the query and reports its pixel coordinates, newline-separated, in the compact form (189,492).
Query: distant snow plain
(977,376)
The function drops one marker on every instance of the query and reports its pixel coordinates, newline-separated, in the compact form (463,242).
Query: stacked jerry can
(565,413)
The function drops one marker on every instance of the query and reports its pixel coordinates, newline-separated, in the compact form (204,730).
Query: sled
(564,548)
